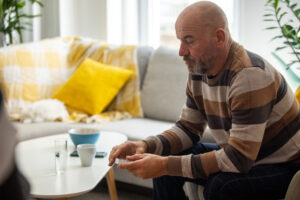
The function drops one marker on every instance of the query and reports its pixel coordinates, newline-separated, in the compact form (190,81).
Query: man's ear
(220,37)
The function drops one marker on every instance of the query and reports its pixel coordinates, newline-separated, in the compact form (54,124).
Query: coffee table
(36,161)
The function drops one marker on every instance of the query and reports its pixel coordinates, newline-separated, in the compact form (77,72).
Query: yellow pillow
(92,86)
(297,94)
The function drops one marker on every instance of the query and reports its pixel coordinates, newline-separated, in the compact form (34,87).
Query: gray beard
(199,69)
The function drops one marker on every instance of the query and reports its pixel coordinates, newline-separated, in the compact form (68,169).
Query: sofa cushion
(135,129)
(35,130)
(163,93)
(143,55)
(92,86)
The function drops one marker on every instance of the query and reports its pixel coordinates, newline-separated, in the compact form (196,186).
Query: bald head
(205,41)
(204,15)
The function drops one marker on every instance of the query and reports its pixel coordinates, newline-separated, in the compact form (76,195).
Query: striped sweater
(250,110)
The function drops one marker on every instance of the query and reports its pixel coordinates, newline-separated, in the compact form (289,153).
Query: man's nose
(183,51)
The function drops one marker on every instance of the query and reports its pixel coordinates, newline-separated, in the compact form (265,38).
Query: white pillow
(163,93)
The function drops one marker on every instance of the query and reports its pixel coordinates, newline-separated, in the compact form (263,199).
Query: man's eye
(189,41)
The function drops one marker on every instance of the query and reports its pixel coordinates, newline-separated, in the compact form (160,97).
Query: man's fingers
(135,157)
(115,152)
(130,166)
(112,151)
(111,162)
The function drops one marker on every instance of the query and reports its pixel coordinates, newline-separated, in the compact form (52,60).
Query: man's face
(196,48)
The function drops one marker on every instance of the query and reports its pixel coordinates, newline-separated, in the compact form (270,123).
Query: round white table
(36,161)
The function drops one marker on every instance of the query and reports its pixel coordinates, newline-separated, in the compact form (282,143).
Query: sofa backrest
(143,56)
(164,85)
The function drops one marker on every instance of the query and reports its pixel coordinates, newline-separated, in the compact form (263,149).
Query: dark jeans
(261,182)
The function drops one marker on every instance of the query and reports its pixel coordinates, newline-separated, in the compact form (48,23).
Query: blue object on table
(84,135)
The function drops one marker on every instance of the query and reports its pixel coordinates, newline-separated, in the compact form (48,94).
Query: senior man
(250,110)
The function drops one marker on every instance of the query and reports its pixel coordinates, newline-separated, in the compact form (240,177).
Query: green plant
(289,27)
(11,15)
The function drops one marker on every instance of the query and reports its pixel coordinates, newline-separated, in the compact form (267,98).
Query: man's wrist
(143,145)
(165,165)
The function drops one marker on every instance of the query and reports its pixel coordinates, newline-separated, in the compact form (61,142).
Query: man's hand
(146,165)
(126,149)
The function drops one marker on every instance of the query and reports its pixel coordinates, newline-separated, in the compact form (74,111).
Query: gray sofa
(163,77)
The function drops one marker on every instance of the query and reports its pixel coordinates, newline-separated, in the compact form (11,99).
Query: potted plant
(11,15)
(289,33)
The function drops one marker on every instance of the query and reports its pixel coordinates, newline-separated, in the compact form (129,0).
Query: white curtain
(45,26)
(86,18)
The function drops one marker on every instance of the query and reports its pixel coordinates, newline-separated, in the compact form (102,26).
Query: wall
(86,18)
(49,20)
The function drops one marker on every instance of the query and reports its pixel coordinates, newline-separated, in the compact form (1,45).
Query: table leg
(110,179)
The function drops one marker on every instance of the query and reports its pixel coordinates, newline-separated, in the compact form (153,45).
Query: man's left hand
(146,165)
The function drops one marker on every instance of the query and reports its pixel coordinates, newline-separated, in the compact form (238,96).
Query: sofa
(163,77)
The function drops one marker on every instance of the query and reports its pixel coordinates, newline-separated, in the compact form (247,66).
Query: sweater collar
(213,80)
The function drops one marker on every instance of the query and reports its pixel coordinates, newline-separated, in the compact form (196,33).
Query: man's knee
(213,187)
(168,187)
(222,186)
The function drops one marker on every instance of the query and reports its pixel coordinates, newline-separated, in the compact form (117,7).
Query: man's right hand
(126,149)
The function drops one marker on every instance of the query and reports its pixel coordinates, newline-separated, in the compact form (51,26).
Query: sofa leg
(110,179)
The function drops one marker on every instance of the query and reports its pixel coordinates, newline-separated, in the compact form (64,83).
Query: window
(152,22)
(170,9)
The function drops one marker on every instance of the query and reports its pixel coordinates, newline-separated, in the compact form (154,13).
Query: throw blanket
(35,71)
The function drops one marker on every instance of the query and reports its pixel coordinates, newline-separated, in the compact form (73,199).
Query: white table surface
(36,161)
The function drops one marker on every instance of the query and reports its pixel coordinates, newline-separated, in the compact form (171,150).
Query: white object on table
(86,154)
(121,160)
(36,161)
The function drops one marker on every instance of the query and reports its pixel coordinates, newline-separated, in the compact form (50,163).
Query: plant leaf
(269,20)
(277,11)
(20,5)
(40,3)
(20,27)
(282,16)
(287,31)
(268,3)
(30,16)
(268,15)
(287,42)
(275,4)
(28,23)
(269,9)
(279,48)
(273,27)
(293,6)
(276,37)
(293,62)
(298,53)
(297,12)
